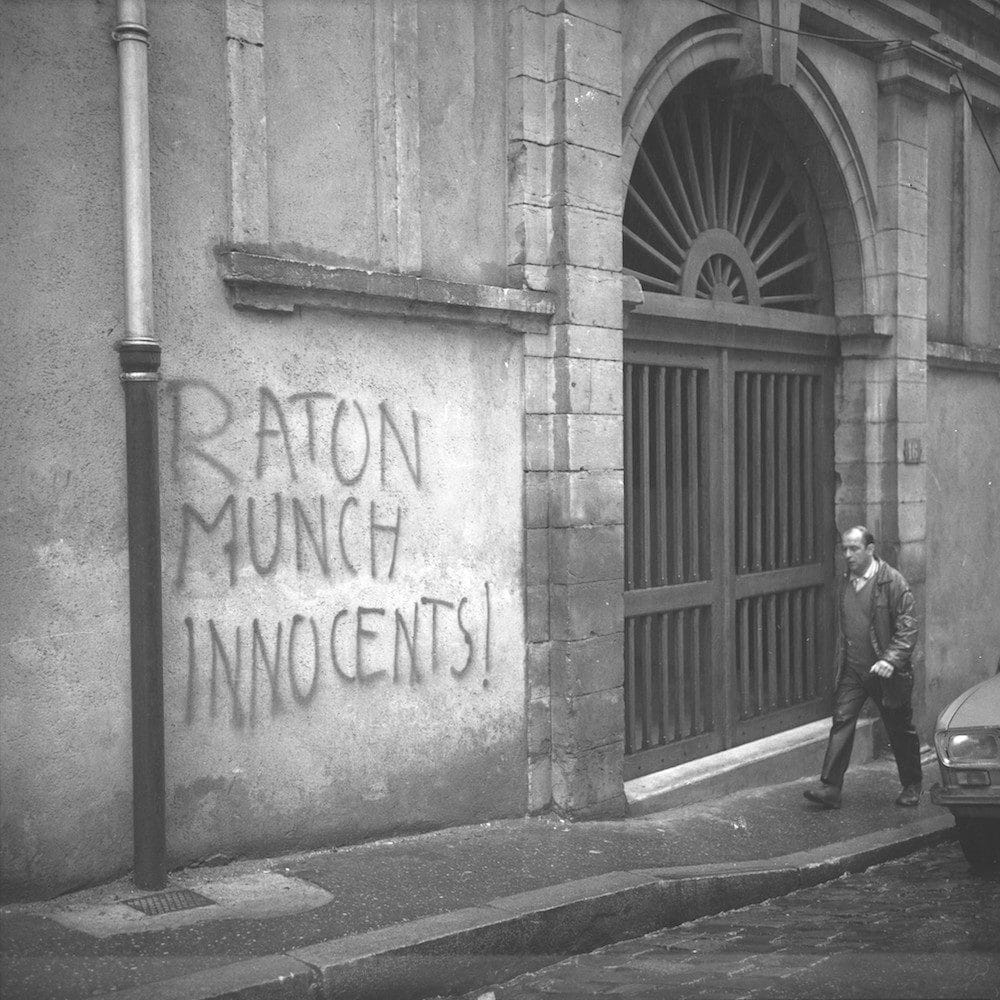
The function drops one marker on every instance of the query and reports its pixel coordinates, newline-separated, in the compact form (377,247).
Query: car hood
(979,706)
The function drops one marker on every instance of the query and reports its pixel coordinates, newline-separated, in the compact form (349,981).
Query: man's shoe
(827,796)
(909,796)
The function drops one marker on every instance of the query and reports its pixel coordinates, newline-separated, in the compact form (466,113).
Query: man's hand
(883,668)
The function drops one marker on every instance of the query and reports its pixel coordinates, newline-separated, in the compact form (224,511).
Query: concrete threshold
(796,753)
(454,953)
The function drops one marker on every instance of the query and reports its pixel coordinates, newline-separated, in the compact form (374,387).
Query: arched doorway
(729,464)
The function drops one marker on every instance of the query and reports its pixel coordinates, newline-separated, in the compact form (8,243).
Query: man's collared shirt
(860,581)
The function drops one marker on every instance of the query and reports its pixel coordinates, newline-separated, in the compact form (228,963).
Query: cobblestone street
(923,926)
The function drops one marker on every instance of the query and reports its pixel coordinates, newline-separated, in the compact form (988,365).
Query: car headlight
(968,748)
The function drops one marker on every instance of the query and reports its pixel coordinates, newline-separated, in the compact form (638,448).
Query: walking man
(878,630)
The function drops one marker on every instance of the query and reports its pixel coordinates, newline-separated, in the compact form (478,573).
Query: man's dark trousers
(855,686)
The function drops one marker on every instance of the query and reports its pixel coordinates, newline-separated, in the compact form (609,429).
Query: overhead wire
(975,118)
(857,41)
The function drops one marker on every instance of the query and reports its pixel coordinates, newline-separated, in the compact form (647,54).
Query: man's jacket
(893,630)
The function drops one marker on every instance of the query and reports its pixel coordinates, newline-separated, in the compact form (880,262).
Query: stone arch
(830,152)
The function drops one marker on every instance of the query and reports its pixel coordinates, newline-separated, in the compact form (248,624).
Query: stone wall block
(911,297)
(536,555)
(591,239)
(589,117)
(584,665)
(537,442)
(880,443)
(847,298)
(527,36)
(901,117)
(911,250)
(588,720)
(595,342)
(536,499)
(537,605)
(529,234)
(583,385)
(589,497)
(911,480)
(539,784)
(537,277)
(904,208)
(592,54)
(592,180)
(587,554)
(844,260)
(531,105)
(911,337)
(901,163)
(539,385)
(588,784)
(586,441)
(591,297)
(539,668)
(911,402)
(878,400)
(529,170)
(912,521)
(581,610)
(853,485)
(539,727)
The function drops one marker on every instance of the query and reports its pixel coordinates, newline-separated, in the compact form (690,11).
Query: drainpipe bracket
(139,359)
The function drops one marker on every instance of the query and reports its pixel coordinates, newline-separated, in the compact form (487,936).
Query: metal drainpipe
(139,354)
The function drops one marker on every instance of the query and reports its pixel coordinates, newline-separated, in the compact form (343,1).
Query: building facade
(521,361)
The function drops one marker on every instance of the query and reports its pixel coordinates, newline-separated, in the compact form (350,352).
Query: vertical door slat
(667,689)
(629,475)
(785,653)
(755,471)
(782,414)
(662,504)
(681,672)
(677,457)
(644,556)
(796,477)
(647,682)
(742,500)
(698,725)
(694,500)
(768,500)
(809,479)
(758,605)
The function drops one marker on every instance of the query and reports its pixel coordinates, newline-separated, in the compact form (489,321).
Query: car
(967,740)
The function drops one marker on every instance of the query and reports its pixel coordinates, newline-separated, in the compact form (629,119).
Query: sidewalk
(441,913)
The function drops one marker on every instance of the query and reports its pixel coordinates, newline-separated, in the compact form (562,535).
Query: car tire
(979,840)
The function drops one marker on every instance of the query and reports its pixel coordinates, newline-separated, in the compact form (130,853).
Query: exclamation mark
(486,679)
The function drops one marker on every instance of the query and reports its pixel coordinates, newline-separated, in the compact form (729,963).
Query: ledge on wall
(963,358)
(257,279)
(863,336)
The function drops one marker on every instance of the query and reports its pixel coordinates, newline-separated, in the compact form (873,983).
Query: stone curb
(477,946)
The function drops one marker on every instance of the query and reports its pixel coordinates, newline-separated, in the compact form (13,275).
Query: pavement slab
(472,902)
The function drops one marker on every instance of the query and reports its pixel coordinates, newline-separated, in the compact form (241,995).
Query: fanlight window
(718,209)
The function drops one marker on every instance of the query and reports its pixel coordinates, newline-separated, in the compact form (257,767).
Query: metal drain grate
(169,902)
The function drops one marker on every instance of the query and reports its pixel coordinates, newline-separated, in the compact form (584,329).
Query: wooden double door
(729,540)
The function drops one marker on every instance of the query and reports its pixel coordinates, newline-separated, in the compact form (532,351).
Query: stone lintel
(273,283)
(915,70)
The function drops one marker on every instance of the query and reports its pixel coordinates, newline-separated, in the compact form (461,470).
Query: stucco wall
(260,764)
(963,534)
(65,784)
(345,648)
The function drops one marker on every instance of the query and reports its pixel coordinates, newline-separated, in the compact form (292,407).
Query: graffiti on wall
(321,491)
